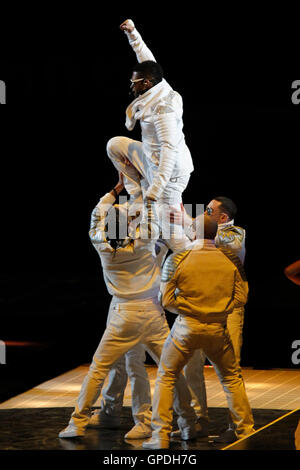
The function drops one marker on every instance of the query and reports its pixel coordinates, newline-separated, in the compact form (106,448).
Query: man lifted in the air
(159,167)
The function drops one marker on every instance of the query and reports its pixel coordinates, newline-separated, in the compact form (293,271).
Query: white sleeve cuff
(108,199)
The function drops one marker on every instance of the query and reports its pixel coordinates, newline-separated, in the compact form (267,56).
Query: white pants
(171,198)
(129,366)
(193,371)
(131,323)
(187,335)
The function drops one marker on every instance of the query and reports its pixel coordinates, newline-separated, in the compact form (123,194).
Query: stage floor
(267,389)
(35,429)
(32,420)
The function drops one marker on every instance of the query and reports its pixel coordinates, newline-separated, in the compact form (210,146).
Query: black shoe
(201,430)
(226,437)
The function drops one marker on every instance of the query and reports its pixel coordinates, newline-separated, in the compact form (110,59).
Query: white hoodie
(159,111)
(133,270)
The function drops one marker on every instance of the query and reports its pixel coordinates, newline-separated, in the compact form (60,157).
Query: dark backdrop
(67,93)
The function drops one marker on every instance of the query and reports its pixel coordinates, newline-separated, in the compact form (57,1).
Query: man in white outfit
(162,158)
(132,366)
(132,277)
(201,285)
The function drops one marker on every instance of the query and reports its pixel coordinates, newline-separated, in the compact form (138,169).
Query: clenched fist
(127,26)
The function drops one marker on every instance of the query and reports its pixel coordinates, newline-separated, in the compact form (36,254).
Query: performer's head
(120,222)
(221,209)
(145,75)
(205,227)
(210,228)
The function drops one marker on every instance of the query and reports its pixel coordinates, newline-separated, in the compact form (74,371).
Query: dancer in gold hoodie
(202,285)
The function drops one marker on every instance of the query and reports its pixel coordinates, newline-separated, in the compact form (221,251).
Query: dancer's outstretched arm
(135,40)
(97,231)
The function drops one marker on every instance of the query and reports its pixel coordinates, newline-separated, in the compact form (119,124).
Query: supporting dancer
(222,210)
(132,276)
(201,285)
(162,158)
(132,366)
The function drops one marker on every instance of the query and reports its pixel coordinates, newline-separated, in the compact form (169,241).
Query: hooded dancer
(161,163)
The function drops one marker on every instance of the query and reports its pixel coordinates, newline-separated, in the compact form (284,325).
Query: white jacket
(133,270)
(159,111)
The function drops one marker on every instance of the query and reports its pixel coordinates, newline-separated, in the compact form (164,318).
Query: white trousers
(131,323)
(194,370)
(119,148)
(131,365)
(187,335)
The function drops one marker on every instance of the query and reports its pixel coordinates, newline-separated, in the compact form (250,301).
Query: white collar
(226,224)
(141,104)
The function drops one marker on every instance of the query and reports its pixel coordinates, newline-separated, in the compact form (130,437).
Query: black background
(67,91)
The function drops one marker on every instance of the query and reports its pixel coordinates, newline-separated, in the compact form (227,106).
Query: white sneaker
(139,431)
(156,443)
(100,419)
(71,432)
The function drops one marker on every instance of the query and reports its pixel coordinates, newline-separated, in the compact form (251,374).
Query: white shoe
(100,419)
(139,431)
(156,443)
(70,432)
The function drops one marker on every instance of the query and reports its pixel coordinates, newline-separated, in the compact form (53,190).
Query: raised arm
(135,40)
(292,272)
(97,226)
(181,217)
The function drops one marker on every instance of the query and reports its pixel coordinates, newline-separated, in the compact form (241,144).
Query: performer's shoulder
(228,234)
(172,263)
(235,260)
(168,103)
(232,228)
